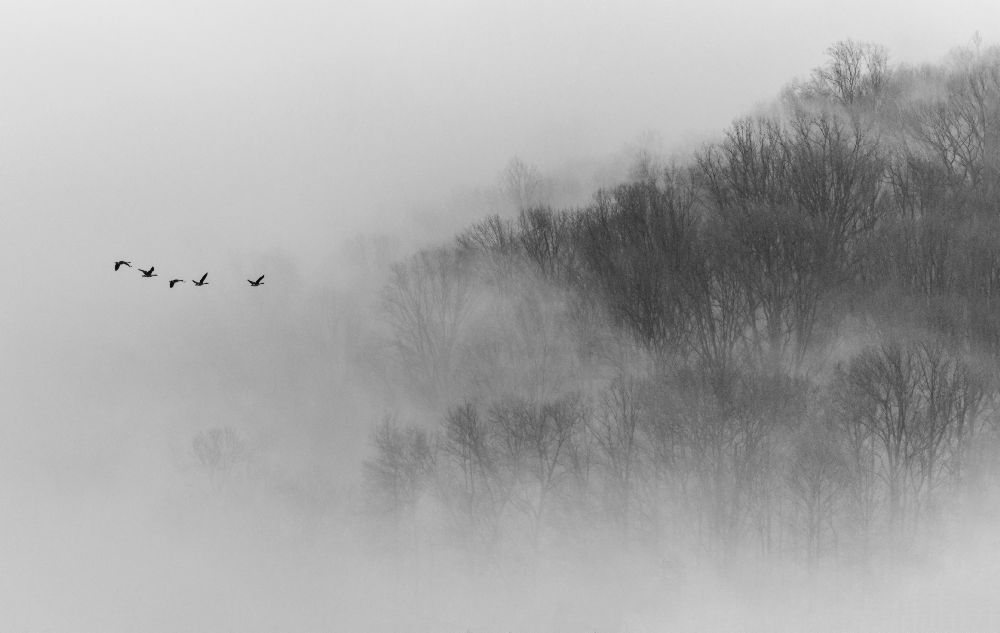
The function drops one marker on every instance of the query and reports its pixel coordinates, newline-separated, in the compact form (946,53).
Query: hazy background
(247,138)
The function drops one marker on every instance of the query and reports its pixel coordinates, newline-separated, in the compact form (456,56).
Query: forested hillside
(784,348)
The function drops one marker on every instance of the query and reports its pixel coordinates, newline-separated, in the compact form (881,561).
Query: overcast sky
(198,135)
(240,136)
(265,124)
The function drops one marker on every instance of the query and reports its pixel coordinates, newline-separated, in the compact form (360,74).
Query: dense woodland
(783,348)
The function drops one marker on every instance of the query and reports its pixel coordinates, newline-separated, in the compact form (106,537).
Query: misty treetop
(785,347)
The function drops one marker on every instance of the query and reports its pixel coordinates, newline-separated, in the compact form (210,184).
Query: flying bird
(256,283)
(148,273)
(175,281)
(200,282)
(122,263)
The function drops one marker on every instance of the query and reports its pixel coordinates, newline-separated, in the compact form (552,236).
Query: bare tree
(884,396)
(398,472)
(816,481)
(916,404)
(615,428)
(219,451)
(958,120)
(533,441)
(855,72)
(547,241)
(523,186)
(837,171)
(427,303)
(479,490)
(792,201)
(637,243)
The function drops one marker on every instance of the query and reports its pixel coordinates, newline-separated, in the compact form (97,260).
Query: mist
(222,457)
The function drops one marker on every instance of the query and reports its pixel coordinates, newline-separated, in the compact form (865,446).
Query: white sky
(215,135)
(266,123)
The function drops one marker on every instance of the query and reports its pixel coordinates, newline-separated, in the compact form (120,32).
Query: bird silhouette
(256,283)
(201,282)
(122,263)
(148,273)
(175,281)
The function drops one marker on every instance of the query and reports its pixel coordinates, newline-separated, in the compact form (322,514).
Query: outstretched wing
(118,265)
(202,280)
(260,278)
(152,268)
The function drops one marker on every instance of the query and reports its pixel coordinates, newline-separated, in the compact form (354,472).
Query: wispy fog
(207,458)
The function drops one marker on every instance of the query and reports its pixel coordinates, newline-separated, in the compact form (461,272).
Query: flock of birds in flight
(197,282)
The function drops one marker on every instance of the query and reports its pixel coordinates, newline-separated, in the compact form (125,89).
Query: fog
(320,144)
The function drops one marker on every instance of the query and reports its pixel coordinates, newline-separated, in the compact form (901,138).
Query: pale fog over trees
(740,382)
(781,350)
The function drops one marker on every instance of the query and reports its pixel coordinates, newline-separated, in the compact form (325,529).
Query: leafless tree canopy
(668,362)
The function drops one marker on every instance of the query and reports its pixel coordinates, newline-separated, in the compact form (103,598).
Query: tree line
(785,347)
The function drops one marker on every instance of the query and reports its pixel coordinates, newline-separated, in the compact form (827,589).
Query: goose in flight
(148,273)
(119,264)
(200,282)
(175,281)
(256,283)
